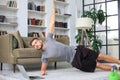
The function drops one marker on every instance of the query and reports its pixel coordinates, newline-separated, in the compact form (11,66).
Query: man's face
(37,44)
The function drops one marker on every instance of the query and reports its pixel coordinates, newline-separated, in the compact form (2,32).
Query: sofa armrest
(6,47)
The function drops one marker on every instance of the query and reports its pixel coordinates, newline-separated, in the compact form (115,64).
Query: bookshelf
(18,17)
(8,15)
(36,16)
(63,15)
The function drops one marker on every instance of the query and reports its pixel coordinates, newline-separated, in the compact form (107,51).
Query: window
(109,31)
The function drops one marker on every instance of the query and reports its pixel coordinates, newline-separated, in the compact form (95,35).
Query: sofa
(11,50)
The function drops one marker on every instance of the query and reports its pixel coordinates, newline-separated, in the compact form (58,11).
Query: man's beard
(41,46)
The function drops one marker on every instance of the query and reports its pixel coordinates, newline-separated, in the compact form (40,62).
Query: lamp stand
(83,40)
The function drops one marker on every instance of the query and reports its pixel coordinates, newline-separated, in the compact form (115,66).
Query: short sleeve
(44,60)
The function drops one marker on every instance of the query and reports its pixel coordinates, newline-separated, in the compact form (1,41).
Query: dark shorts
(85,59)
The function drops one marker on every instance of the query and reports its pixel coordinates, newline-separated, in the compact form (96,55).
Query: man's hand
(43,73)
(52,19)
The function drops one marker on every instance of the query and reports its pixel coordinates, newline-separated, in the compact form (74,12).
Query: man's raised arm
(52,19)
(51,30)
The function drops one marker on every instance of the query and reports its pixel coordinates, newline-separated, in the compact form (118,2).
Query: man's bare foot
(119,62)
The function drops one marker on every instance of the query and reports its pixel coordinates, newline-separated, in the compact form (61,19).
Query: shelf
(36,26)
(61,15)
(62,3)
(8,8)
(38,0)
(8,24)
(41,0)
(37,12)
(58,28)
(12,17)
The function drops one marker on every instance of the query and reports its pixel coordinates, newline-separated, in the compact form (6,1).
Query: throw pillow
(14,43)
(19,39)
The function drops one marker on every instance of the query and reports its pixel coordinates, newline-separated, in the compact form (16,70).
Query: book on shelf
(15,4)
(11,3)
(31,21)
(36,34)
(44,34)
(39,22)
(42,22)
(2,18)
(57,11)
(3,32)
(33,34)
(42,8)
(59,36)
(61,24)
(61,0)
(33,6)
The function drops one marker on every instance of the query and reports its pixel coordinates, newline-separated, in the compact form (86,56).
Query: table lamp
(84,23)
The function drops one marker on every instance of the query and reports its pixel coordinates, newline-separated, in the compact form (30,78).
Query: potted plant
(97,16)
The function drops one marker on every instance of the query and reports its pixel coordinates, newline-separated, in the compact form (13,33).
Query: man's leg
(108,58)
(103,66)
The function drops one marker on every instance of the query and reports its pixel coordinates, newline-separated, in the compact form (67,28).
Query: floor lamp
(84,23)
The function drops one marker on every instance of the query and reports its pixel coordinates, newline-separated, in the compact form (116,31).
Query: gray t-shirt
(57,50)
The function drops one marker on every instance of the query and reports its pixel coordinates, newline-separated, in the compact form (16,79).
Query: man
(80,57)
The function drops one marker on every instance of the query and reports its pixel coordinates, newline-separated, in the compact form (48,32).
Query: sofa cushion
(18,37)
(27,53)
(55,60)
(63,39)
(26,41)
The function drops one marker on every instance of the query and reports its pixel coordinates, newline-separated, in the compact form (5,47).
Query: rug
(60,74)
(3,77)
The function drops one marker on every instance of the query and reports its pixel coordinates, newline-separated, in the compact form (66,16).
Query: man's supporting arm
(43,68)
(52,19)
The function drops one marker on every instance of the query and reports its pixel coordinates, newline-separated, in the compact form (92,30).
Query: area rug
(60,74)
(3,77)
(74,74)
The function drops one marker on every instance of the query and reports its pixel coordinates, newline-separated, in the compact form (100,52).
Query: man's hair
(33,40)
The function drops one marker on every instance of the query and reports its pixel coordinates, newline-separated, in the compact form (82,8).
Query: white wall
(22,17)
(76,11)
(72,22)
(79,7)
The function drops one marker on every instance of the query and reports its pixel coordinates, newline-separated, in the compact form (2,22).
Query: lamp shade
(84,23)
